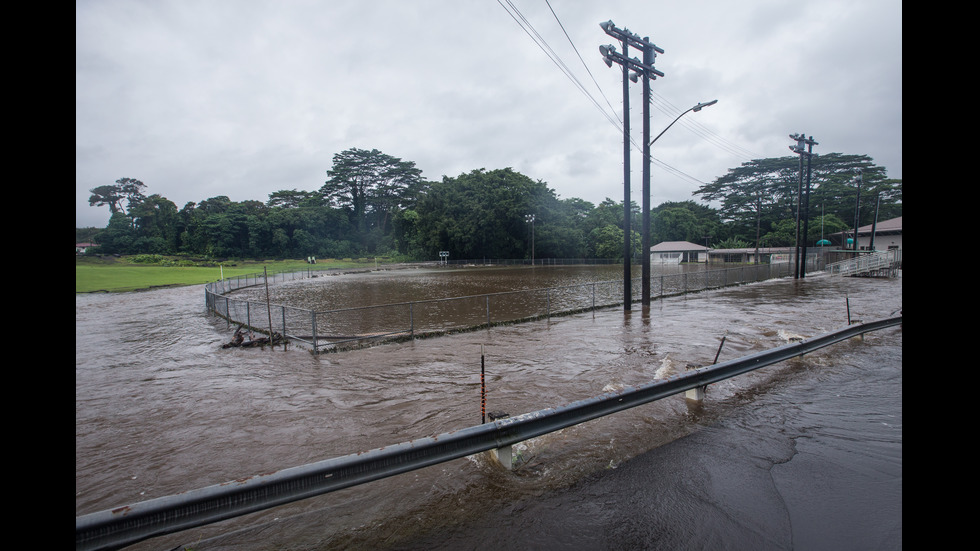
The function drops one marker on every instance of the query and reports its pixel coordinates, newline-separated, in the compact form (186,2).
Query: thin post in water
(483,389)
(719,349)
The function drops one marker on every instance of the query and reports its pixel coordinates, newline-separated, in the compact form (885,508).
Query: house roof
(893,225)
(751,250)
(676,246)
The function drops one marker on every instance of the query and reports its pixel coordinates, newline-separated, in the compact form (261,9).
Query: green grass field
(109,274)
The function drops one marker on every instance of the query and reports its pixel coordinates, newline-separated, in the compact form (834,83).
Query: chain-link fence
(343,328)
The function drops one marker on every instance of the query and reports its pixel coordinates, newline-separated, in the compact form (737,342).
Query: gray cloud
(243,98)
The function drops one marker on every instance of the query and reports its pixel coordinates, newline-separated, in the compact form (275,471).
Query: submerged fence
(331,330)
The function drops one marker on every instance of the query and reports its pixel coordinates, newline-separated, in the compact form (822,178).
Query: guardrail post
(505,456)
(696,393)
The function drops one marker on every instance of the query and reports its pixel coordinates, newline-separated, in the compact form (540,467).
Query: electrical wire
(615,120)
(526,26)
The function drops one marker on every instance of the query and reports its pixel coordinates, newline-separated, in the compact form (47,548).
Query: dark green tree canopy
(376,204)
(760,193)
(369,183)
(482,214)
(113,195)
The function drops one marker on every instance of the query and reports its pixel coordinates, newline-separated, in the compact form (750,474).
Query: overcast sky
(201,98)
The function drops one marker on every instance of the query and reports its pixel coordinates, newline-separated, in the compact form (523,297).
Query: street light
(696,108)
(529,218)
(645,290)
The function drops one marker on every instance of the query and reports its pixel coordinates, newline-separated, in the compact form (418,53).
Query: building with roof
(80,248)
(886,235)
(751,255)
(675,252)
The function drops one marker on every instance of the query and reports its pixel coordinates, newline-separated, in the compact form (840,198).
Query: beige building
(675,252)
(887,235)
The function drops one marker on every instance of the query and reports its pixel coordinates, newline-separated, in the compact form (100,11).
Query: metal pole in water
(483,388)
(719,349)
(268,305)
(313,326)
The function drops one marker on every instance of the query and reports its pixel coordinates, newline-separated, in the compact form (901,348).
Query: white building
(675,252)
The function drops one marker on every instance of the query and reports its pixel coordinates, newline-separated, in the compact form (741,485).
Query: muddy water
(161,408)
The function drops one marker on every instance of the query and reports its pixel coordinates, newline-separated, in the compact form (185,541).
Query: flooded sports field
(806,454)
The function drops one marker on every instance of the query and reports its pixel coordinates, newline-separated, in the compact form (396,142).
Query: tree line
(374,204)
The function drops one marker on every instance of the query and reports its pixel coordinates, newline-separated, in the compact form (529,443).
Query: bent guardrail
(122,526)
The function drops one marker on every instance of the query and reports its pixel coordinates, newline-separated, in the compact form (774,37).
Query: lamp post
(529,218)
(696,108)
(646,199)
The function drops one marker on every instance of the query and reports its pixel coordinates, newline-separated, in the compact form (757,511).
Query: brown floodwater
(161,408)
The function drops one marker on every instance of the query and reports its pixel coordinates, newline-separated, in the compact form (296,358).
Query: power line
(702,131)
(526,26)
(584,64)
(615,120)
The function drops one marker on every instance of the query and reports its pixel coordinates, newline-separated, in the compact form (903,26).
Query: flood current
(805,454)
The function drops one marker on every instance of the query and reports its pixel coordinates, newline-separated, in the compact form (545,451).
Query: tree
(128,189)
(118,236)
(685,221)
(155,221)
(607,242)
(290,198)
(482,214)
(106,196)
(762,192)
(369,183)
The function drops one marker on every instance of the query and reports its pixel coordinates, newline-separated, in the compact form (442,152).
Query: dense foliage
(373,204)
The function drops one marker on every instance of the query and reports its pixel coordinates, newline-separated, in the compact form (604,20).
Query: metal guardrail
(122,526)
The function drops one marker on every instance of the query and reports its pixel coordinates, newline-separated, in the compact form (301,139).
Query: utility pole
(806,203)
(648,57)
(857,208)
(798,149)
(642,69)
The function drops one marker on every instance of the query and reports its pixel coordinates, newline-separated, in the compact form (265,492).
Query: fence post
(313,324)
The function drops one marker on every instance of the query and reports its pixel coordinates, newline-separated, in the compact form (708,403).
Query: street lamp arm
(697,107)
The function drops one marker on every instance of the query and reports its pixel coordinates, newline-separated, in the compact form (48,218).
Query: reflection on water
(161,408)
